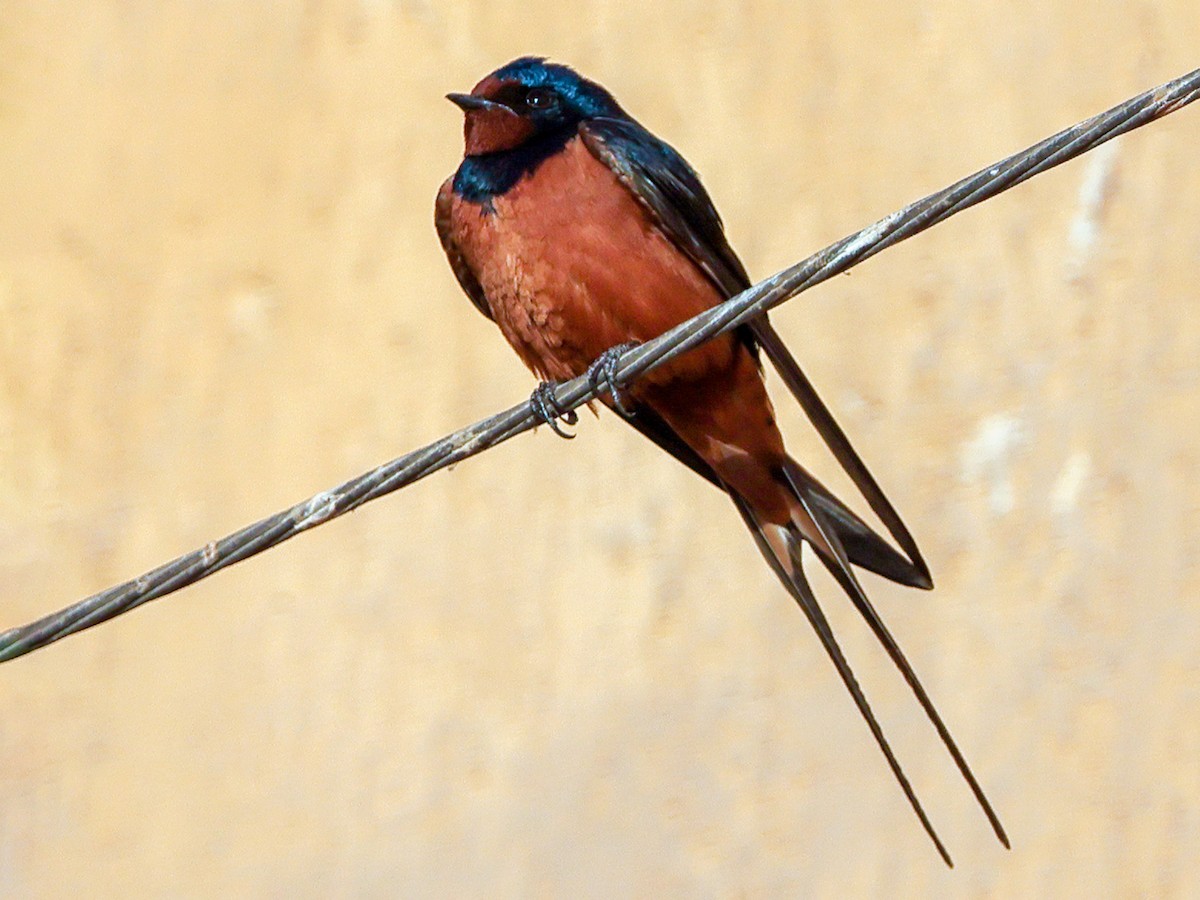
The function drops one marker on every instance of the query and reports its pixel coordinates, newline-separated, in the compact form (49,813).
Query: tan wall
(562,667)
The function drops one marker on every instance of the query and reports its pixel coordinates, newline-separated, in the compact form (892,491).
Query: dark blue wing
(671,191)
(458,263)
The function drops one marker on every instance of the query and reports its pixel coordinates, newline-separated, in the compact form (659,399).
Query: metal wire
(770,292)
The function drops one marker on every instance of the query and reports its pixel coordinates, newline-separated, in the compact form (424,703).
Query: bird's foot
(549,410)
(602,376)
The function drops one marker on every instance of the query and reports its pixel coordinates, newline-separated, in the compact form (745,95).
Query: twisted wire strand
(766,294)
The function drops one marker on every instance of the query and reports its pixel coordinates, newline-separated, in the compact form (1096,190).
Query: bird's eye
(540,98)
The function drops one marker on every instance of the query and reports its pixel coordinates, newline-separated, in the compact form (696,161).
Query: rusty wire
(764,295)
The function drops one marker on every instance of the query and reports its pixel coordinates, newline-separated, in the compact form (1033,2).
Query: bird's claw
(602,376)
(549,410)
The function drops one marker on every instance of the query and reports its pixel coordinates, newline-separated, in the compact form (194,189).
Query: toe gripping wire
(602,378)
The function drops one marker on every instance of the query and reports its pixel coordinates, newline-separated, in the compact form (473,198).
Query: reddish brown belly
(571,265)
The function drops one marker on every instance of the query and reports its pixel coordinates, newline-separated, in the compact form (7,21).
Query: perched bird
(577,231)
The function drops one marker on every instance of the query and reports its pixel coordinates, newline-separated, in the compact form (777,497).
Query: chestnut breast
(571,264)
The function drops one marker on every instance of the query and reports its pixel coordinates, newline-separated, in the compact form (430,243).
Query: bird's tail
(839,538)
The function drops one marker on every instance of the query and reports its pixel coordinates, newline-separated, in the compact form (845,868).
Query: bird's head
(527,99)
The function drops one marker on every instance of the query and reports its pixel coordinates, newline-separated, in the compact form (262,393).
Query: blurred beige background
(562,669)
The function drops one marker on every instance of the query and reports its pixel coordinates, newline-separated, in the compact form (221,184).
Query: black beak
(468,102)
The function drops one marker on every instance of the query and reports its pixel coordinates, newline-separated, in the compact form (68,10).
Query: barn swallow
(577,231)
